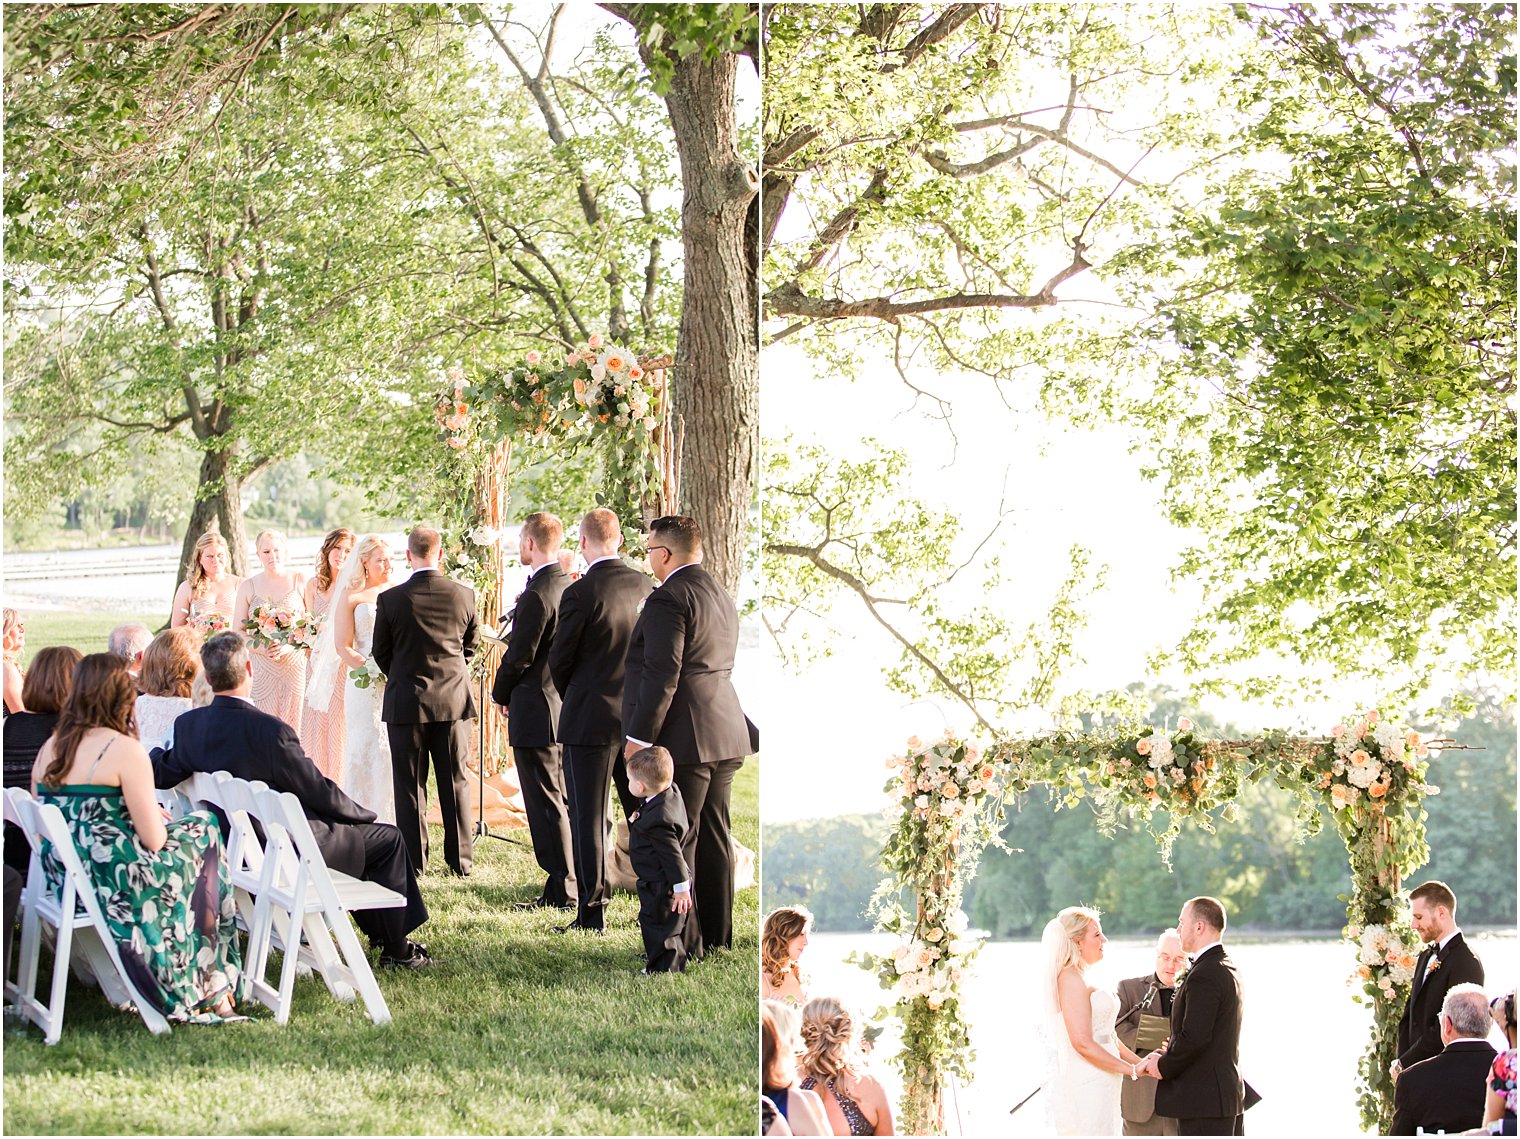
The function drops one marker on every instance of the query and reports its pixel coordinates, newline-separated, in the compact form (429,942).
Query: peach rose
(533,358)
(594,341)
(457,443)
(1184,725)
(1143,745)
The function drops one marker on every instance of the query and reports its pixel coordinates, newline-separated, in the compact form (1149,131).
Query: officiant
(1145,1008)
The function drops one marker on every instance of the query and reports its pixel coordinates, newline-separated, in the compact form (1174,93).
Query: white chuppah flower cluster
(933,967)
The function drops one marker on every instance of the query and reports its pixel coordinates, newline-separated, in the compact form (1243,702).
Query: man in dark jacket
(1446,962)
(590,651)
(528,698)
(678,694)
(1199,1072)
(1448,1091)
(231,735)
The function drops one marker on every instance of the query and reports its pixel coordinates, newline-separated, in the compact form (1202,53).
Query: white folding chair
(302,893)
(76,918)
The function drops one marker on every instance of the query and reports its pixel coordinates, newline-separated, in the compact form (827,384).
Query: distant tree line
(1267,880)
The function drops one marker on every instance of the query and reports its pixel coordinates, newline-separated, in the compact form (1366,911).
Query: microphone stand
(482,828)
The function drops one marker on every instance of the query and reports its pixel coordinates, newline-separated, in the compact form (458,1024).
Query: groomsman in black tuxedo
(528,698)
(231,735)
(425,635)
(587,661)
(1446,961)
(1200,1070)
(678,694)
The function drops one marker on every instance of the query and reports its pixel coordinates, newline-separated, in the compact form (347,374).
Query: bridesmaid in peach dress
(279,672)
(208,586)
(322,732)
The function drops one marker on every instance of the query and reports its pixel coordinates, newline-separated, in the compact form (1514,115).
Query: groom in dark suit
(678,694)
(1200,1070)
(424,638)
(528,698)
(231,735)
(1446,961)
(590,650)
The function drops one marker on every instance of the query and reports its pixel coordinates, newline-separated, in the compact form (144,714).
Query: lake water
(1301,1038)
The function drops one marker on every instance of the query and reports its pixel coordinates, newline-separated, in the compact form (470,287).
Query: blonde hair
(778,1043)
(360,554)
(781,926)
(277,535)
(196,574)
(170,662)
(828,1039)
(1075,921)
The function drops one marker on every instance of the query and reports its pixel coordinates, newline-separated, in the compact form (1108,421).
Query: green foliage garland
(1369,776)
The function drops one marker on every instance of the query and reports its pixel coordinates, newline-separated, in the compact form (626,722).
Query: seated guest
(184,959)
(231,735)
(856,1103)
(783,937)
(169,665)
(129,642)
(802,1109)
(44,693)
(1447,1092)
(1499,1112)
(14,641)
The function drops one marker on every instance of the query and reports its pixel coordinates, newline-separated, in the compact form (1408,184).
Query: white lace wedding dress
(367,773)
(1081,1099)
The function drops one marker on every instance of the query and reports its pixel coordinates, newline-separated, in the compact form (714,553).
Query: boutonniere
(1177,984)
(1432,965)
(633,818)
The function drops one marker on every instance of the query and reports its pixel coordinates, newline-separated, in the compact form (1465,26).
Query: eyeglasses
(652,549)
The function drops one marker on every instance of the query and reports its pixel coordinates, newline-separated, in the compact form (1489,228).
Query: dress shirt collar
(534,571)
(1193,958)
(678,569)
(604,558)
(1445,941)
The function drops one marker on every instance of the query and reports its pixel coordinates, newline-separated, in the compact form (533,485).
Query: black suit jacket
(655,834)
(522,683)
(1200,1072)
(425,635)
(1420,1026)
(677,692)
(231,735)
(590,650)
(1446,1092)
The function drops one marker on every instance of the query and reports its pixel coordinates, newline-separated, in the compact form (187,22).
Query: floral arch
(598,403)
(1368,773)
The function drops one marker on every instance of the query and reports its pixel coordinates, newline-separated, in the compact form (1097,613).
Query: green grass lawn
(86,630)
(516,1030)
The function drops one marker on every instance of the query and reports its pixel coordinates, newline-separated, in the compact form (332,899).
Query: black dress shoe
(538,903)
(575,925)
(416,957)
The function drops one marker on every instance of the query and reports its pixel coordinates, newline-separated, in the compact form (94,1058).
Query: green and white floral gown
(170,911)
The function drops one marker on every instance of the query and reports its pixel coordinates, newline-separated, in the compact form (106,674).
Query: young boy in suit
(655,834)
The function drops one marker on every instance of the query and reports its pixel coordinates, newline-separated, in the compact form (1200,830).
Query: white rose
(959,922)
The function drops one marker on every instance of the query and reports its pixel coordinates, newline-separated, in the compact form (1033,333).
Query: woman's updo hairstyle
(828,1039)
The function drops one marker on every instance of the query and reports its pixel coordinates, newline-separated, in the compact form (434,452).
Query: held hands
(1150,1066)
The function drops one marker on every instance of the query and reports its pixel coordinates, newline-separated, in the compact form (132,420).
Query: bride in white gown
(345,643)
(1085,1062)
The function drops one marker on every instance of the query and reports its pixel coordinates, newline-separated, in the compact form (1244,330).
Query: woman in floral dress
(322,731)
(163,886)
(279,671)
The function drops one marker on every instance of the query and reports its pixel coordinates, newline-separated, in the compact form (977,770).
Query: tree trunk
(219,501)
(716,388)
